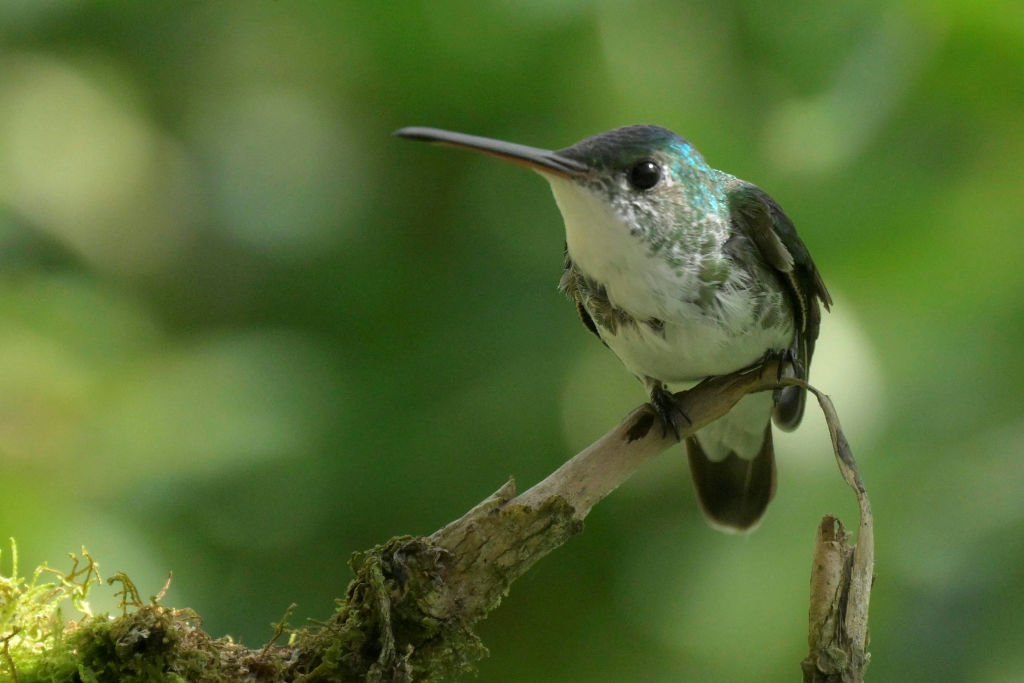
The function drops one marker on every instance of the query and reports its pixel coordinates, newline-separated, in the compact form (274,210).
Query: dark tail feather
(789,407)
(734,492)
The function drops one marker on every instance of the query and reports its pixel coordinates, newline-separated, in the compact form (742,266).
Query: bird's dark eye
(644,175)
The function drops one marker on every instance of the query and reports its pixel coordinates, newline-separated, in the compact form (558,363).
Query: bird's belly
(686,352)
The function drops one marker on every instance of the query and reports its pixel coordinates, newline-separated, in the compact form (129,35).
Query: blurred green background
(244,331)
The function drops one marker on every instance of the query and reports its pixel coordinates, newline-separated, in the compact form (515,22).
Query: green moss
(383,630)
(407,615)
(31,626)
(147,643)
(410,611)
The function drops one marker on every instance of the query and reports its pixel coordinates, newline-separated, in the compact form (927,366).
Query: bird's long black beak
(542,160)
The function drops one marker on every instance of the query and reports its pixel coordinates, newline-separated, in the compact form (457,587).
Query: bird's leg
(667,407)
(785,357)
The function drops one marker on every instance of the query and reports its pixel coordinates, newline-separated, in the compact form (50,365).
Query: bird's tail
(733,492)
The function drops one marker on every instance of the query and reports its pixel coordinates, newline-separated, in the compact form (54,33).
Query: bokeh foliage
(244,332)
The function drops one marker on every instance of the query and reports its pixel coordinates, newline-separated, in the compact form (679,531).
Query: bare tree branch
(602,467)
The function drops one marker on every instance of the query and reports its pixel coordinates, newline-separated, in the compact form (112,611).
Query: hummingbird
(684,272)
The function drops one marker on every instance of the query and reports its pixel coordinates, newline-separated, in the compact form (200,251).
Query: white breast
(694,342)
(603,248)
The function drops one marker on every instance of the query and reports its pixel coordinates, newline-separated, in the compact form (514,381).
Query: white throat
(603,248)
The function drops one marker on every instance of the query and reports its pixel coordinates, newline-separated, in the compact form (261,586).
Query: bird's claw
(785,358)
(669,410)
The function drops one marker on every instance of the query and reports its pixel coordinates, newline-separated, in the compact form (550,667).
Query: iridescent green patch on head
(660,187)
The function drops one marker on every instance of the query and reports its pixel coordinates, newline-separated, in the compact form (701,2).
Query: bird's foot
(669,410)
(785,359)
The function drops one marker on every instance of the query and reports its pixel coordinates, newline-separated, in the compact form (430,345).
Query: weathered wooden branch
(841,579)
(409,613)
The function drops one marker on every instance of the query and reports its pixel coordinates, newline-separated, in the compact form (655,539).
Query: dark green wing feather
(759,218)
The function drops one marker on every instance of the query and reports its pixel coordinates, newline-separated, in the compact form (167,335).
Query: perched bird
(684,272)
